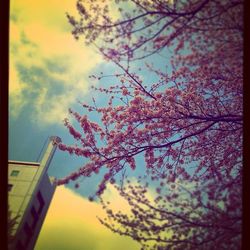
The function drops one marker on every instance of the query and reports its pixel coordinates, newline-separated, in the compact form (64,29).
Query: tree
(187,125)
(181,215)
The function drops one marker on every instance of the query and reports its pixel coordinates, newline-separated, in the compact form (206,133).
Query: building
(30,191)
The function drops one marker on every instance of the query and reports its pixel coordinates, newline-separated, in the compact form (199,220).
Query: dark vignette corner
(4,64)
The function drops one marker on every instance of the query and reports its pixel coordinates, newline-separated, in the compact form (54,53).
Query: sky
(77,227)
(49,71)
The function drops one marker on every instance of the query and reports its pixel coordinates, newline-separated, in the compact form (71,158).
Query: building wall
(30,193)
(23,186)
(34,214)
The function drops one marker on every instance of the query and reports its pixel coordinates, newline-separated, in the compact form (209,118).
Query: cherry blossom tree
(143,28)
(187,125)
(181,215)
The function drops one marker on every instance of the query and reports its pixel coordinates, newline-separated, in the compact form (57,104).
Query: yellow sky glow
(71,224)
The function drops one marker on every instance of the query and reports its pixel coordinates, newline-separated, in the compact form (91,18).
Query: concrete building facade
(30,191)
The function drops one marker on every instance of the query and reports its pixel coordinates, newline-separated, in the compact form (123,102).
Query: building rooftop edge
(24,163)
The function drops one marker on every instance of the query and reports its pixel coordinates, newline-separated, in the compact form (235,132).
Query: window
(14,173)
(10,186)
(41,202)
(28,233)
(34,216)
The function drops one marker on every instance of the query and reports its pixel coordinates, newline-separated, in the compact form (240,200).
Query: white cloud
(39,34)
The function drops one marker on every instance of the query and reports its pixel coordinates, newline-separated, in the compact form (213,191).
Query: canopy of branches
(187,125)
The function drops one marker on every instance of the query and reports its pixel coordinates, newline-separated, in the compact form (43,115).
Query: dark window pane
(10,187)
(28,232)
(14,173)
(41,202)
(34,216)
